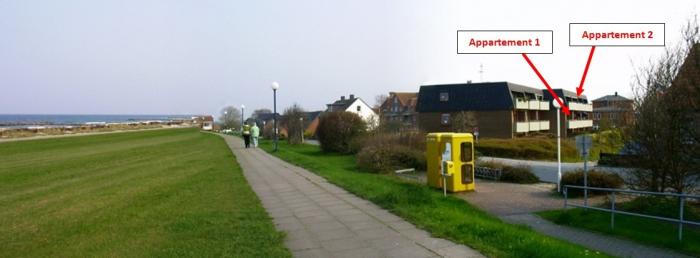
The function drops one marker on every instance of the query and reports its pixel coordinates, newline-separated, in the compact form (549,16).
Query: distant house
(205,122)
(311,122)
(580,118)
(613,111)
(354,105)
(400,108)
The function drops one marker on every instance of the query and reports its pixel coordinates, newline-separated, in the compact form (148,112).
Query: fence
(487,173)
(682,198)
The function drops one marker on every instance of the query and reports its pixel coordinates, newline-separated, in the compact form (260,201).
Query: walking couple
(251,132)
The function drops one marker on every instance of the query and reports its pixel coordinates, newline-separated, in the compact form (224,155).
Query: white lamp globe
(275,85)
(555,103)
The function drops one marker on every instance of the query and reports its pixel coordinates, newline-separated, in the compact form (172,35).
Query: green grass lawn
(538,148)
(163,193)
(642,230)
(450,217)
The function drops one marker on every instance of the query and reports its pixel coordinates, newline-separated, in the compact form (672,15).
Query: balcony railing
(532,126)
(531,104)
(580,107)
(574,124)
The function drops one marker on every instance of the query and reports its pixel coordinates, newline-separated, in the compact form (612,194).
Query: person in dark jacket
(246,135)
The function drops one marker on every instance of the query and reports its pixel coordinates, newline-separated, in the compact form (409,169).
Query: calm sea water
(20,120)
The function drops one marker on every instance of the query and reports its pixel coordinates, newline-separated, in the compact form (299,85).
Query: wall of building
(492,124)
(366,112)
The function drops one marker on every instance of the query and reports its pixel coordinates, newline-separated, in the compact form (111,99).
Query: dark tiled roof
(471,96)
(611,98)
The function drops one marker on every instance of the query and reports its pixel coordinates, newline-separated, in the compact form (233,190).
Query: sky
(195,57)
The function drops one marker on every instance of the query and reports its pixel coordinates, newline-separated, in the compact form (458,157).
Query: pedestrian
(246,134)
(255,133)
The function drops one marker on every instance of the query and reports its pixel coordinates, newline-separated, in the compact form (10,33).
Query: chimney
(342,97)
(352,96)
(616,93)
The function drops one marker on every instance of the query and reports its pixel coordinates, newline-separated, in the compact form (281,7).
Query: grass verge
(450,217)
(162,193)
(642,230)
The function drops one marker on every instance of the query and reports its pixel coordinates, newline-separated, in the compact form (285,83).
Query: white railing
(544,105)
(522,127)
(574,124)
(544,125)
(580,107)
(533,105)
(521,104)
(534,126)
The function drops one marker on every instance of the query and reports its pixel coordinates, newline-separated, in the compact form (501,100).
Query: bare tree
(230,117)
(379,100)
(260,111)
(665,134)
(293,120)
(464,121)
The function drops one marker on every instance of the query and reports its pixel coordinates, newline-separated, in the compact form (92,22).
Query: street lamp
(301,127)
(556,105)
(242,115)
(275,86)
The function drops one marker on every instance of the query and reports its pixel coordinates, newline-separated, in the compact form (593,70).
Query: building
(311,122)
(354,105)
(580,118)
(400,109)
(494,109)
(204,122)
(612,111)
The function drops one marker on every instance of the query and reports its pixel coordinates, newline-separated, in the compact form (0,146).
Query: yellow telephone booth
(454,152)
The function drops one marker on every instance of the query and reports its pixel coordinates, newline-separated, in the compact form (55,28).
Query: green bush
(336,130)
(595,179)
(386,158)
(519,174)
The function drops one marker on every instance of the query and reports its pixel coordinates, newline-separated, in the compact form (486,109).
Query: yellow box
(461,155)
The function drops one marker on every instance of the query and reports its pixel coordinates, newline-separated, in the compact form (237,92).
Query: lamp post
(242,115)
(274,87)
(301,127)
(556,105)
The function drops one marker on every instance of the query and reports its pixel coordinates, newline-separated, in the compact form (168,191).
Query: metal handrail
(613,211)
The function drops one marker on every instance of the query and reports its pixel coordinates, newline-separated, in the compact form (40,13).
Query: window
(467,174)
(444,96)
(445,119)
(466,152)
(359,108)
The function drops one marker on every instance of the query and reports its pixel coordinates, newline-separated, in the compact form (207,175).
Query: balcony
(575,124)
(532,126)
(522,127)
(531,104)
(580,107)
(521,104)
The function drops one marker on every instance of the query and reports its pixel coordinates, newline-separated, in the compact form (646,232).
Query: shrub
(336,130)
(519,174)
(595,179)
(386,158)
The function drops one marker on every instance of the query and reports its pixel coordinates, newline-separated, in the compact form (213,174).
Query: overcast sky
(194,57)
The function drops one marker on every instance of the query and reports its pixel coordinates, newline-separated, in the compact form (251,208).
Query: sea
(13,121)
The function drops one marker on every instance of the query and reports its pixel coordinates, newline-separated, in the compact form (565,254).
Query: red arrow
(564,108)
(579,90)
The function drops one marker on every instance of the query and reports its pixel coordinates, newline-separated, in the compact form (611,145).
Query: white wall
(366,112)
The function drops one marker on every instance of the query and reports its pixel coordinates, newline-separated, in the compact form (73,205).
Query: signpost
(476,134)
(446,158)
(583,145)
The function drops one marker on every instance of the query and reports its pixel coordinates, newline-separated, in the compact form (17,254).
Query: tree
(379,100)
(664,135)
(260,111)
(293,121)
(336,130)
(464,122)
(230,117)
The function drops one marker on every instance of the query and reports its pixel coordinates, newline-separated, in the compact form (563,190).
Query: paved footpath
(323,220)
